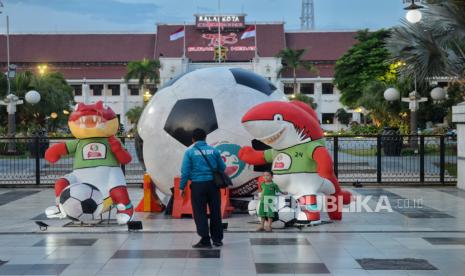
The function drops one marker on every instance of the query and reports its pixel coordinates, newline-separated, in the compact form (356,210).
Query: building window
(133,89)
(96,89)
(328,88)
(77,89)
(115,89)
(443,84)
(327,118)
(288,88)
(307,88)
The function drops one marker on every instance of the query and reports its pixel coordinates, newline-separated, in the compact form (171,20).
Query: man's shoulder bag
(221,179)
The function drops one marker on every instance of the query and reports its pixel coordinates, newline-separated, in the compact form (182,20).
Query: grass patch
(451,168)
(360,152)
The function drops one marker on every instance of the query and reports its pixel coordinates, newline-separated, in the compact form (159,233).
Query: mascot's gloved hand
(54,153)
(121,154)
(251,156)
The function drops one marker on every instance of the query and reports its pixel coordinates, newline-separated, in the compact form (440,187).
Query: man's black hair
(199,134)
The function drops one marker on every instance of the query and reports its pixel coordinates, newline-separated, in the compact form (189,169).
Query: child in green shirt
(268,201)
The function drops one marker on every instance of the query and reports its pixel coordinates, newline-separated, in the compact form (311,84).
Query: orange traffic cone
(150,202)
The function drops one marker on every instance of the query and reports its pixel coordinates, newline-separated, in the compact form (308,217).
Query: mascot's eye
(278,117)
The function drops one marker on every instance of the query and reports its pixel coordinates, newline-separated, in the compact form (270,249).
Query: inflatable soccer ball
(82,202)
(214,99)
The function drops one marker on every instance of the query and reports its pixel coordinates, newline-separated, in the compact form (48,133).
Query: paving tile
(53,242)
(155,254)
(445,241)
(291,268)
(32,269)
(279,241)
(11,196)
(395,264)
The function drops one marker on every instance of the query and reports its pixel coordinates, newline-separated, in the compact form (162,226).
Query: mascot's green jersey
(91,152)
(296,159)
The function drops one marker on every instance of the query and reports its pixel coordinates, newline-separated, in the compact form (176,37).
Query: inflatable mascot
(301,164)
(97,158)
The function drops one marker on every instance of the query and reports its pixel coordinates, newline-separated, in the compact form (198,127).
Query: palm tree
(145,71)
(293,60)
(433,47)
(134,114)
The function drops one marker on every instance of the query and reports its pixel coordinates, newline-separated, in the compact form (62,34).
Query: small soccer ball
(287,208)
(252,207)
(82,202)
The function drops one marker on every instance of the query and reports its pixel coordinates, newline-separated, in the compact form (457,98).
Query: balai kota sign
(211,22)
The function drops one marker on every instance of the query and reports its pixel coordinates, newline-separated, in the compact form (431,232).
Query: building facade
(95,64)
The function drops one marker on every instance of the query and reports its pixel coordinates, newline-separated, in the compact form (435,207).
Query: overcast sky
(83,16)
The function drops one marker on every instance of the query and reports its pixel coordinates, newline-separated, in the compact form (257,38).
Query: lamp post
(11,101)
(413,14)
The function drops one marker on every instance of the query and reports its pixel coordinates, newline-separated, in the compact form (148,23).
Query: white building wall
(171,67)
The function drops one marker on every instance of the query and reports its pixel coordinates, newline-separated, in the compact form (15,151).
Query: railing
(27,165)
(425,159)
(365,159)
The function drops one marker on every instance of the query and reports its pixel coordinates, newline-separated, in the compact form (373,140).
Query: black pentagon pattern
(65,195)
(253,80)
(89,206)
(189,114)
(91,186)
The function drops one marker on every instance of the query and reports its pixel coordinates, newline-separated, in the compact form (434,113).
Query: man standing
(203,190)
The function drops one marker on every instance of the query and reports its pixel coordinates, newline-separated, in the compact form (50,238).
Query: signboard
(225,22)
(228,40)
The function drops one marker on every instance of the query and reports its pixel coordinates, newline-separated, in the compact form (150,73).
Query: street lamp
(413,14)
(42,69)
(11,101)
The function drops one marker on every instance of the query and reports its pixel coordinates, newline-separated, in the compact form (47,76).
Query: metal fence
(364,159)
(425,159)
(27,166)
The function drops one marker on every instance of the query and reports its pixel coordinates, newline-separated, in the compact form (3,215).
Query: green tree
(134,114)
(433,47)
(363,63)
(56,96)
(304,98)
(146,71)
(292,60)
(343,116)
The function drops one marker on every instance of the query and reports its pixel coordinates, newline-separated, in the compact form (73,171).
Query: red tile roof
(328,46)
(78,48)
(107,48)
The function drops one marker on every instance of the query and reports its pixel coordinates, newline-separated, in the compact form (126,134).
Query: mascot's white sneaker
(54,212)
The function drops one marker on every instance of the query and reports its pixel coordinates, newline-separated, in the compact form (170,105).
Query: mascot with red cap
(301,164)
(98,155)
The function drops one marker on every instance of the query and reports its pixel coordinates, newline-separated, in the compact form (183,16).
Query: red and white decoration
(180,33)
(249,32)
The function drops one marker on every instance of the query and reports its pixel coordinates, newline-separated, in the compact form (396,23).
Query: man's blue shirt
(194,166)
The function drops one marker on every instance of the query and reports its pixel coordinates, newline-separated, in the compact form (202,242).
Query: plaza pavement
(424,235)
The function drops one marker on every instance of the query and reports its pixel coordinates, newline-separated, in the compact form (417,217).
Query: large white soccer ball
(81,202)
(214,99)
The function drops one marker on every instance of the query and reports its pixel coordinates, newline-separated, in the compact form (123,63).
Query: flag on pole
(249,32)
(178,34)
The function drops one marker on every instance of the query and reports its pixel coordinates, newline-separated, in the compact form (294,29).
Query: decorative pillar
(85,91)
(124,102)
(458,117)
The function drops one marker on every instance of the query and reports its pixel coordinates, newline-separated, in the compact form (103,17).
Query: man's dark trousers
(203,193)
